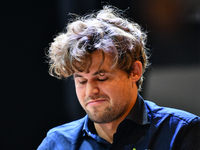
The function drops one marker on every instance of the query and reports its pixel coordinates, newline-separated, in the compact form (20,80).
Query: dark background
(32,101)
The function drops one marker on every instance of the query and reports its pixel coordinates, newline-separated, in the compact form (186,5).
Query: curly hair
(105,30)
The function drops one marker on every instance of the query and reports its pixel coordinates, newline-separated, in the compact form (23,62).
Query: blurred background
(32,101)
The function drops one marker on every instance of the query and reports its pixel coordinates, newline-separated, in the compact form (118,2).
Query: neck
(106,131)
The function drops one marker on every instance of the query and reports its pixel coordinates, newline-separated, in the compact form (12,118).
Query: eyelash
(83,82)
(101,80)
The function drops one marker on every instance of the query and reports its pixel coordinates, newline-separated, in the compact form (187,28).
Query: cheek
(80,95)
(120,91)
(112,91)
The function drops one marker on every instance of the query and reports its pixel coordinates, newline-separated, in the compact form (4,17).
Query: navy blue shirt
(147,127)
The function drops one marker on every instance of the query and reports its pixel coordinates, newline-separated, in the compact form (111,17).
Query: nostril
(96,90)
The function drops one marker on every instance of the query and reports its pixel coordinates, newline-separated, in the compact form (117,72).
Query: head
(105,31)
(106,54)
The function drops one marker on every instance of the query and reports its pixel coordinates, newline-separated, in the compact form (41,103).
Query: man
(107,57)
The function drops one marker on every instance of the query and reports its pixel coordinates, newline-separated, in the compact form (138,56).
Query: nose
(91,89)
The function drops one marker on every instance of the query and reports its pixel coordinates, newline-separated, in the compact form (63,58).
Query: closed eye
(82,82)
(102,79)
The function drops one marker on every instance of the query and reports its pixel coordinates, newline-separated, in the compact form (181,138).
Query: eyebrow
(94,74)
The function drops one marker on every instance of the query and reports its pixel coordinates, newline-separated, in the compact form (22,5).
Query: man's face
(106,97)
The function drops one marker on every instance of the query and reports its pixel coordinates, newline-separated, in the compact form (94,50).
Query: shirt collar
(86,125)
(139,113)
(89,130)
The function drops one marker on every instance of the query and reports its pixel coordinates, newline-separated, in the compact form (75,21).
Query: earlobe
(136,72)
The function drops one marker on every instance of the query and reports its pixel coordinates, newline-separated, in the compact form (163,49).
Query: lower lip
(96,103)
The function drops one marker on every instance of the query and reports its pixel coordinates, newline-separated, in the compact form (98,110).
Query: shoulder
(170,113)
(69,130)
(63,136)
(174,124)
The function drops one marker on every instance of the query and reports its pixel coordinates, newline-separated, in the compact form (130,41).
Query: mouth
(96,102)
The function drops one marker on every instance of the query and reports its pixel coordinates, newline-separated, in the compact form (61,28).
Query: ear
(136,72)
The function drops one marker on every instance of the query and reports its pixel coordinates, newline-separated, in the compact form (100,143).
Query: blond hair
(106,31)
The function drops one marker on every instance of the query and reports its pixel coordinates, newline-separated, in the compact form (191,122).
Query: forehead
(100,63)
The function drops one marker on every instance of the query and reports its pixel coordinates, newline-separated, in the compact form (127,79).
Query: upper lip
(91,101)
